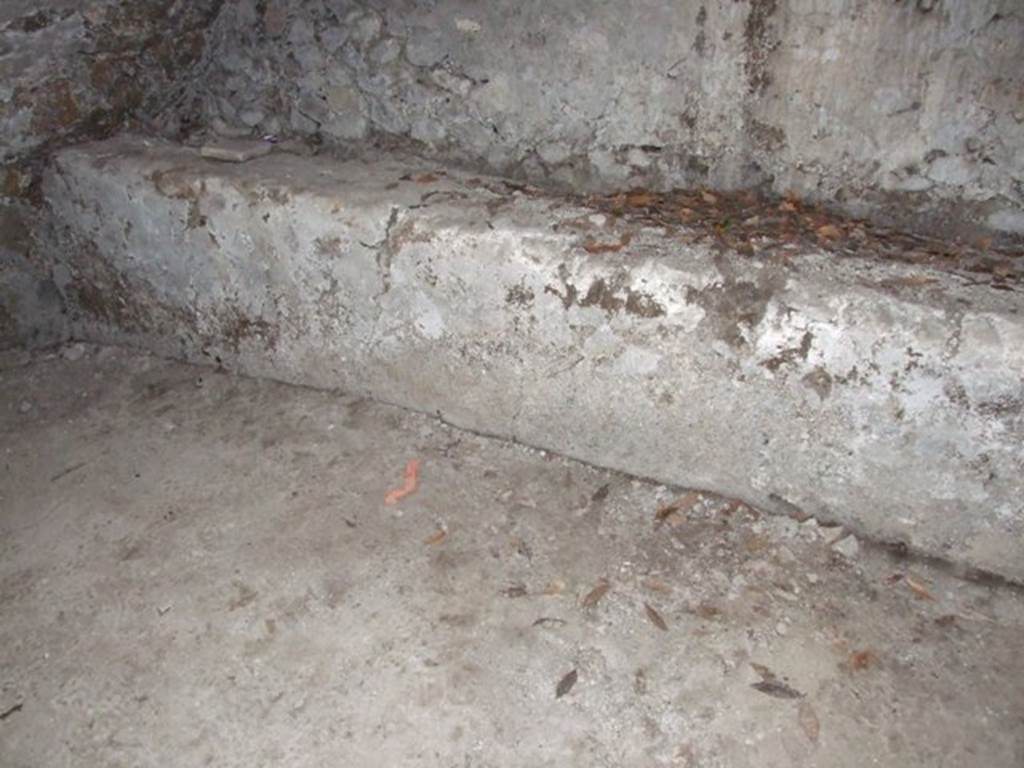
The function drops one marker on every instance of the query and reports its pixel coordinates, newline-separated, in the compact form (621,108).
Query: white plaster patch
(468,26)
(429,321)
(637,361)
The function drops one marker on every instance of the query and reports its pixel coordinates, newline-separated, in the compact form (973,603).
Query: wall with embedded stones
(73,70)
(909,111)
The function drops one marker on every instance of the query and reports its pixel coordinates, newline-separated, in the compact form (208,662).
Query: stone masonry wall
(911,112)
(71,71)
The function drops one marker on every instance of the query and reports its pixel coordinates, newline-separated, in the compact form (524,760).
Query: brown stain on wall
(133,305)
(612,294)
(758,45)
(179,184)
(790,355)
(54,107)
(733,304)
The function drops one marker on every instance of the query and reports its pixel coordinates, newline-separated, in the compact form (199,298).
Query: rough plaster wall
(72,70)
(910,111)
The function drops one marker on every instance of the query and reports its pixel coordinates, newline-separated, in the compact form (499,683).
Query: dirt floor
(201,569)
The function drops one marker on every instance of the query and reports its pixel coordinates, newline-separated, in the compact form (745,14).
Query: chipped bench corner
(235,150)
(883,395)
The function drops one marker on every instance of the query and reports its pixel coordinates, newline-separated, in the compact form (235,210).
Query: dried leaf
(426,178)
(756,544)
(436,537)
(657,585)
(594,596)
(545,620)
(861,659)
(709,611)
(829,232)
(777,689)
(787,205)
(515,590)
(709,198)
(410,481)
(682,505)
(555,587)
(762,670)
(808,720)
(918,588)
(601,493)
(908,281)
(565,684)
(947,620)
(592,246)
(640,199)
(655,618)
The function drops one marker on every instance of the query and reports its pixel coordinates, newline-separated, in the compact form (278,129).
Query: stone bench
(883,395)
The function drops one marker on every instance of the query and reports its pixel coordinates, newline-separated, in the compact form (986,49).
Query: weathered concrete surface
(31,309)
(198,569)
(910,111)
(856,391)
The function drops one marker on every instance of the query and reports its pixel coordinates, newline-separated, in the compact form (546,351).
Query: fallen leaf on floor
(731,505)
(592,246)
(409,483)
(808,720)
(777,689)
(565,684)
(861,659)
(522,547)
(601,493)
(908,281)
(548,620)
(919,589)
(426,178)
(515,590)
(788,206)
(640,199)
(655,617)
(946,621)
(11,710)
(756,544)
(762,670)
(555,587)
(657,585)
(829,232)
(436,537)
(680,506)
(709,611)
(709,198)
(594,596)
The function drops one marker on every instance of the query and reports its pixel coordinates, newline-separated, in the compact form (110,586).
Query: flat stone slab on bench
(883,395)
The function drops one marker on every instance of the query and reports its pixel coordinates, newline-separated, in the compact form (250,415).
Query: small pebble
(848,547)
(831,533)
(73,352)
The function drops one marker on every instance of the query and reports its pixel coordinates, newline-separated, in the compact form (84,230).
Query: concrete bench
(886,396)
